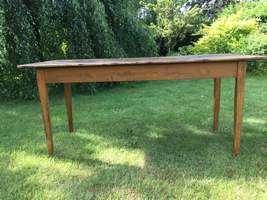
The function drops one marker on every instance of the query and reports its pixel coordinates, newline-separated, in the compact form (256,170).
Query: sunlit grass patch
(149,140)
(122,156)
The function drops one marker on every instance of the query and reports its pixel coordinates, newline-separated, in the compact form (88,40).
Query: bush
(38,30)
(241,29)
(176,23)
(172,27)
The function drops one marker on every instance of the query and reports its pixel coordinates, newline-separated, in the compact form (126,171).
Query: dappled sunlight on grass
(58,120)
(21,160)
(195,130)
(11,113)
(122,156)
(125,193)
(255,121)
(155,134)
(149,140)
(50,175)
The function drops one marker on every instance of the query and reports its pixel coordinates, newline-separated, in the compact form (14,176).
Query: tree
(177,23)
(37,30)
(241,29)
(209,7)
(172,26)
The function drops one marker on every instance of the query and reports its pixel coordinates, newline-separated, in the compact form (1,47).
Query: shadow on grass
(180,157)
(175,153)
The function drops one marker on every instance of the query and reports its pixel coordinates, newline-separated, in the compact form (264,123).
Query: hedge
(38,30)
(242,29)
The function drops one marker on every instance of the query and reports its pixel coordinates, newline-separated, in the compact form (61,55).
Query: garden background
(38,30)
(137,140)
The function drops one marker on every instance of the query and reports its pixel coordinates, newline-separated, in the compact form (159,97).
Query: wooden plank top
(144,60)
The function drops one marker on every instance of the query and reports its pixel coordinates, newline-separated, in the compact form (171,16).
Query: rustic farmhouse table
(215,66)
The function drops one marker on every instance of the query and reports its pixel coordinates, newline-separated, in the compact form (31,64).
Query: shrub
(176,23)
(172,27)
(241,29)
(211,8)
(38,30)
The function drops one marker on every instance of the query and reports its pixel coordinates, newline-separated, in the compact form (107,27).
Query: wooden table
(138,69)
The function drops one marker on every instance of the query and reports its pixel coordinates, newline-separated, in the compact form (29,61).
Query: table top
(144,60)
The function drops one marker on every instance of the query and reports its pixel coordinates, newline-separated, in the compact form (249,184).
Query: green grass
(149,140)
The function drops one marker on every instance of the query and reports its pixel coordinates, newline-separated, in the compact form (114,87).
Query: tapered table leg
(43,93)
(68,99)
(216,104)
(238,106)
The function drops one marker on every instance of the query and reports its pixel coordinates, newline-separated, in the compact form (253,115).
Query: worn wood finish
(140,72)
(238,105)
(217,102)
(137,69)
(68,99)
(43,93)
(145,61)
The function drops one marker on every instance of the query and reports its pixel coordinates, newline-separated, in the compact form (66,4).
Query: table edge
(156,62)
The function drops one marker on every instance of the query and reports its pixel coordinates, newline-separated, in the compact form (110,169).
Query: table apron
(119,73)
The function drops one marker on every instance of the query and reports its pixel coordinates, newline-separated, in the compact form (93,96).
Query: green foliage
(40,30)
(18,45)
(239,29)
(130,33)
(177,23)
(211,8)
(172,27)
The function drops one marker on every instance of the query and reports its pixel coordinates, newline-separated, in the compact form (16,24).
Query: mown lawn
(149,140)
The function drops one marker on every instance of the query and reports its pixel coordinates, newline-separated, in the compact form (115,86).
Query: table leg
(67,92)
(43,93)
(238,106)
(217,101)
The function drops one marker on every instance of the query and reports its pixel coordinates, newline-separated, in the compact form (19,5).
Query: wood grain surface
(145,60)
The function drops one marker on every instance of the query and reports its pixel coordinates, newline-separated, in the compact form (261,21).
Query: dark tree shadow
(176,152)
